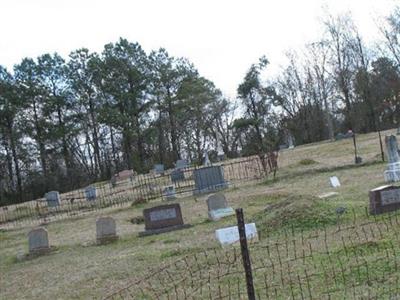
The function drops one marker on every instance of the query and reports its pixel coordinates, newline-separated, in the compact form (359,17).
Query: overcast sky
(222,38)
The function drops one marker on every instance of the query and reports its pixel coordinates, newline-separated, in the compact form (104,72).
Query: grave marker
(392,173)
(159,169)
(218,207)
(384,199)
(334,181)
(52,198)
(163,218)
(91,193)
(208,179)
(38,241)
(177,175)
(230,235)
(169,192)
(105,230)
(181,164)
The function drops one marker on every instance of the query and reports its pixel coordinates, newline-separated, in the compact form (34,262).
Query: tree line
(65,123)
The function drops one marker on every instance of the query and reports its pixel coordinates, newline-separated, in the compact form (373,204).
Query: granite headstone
(38,241)
(218,207)
(384,199)
(91,193)
(392,173)
(209,179)
(53,198)
(106,230)
(162,218)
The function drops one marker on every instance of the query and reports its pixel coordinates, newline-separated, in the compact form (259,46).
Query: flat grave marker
(230,235)
(335,183)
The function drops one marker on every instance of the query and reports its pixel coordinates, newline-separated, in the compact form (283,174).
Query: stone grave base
(106,240)
(218,214)
(392,174)
(163,230)
(41,251)
(328,195)
(212,188)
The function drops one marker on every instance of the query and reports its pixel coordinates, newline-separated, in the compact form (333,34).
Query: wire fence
(138,189)
(349,261)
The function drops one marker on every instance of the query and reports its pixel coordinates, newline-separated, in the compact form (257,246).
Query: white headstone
(230,235)
(38,240)
(105,230)
(334,182)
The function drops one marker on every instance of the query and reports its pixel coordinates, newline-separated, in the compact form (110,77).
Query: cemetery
(327,229)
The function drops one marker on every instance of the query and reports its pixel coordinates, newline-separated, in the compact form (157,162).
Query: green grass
(80,269)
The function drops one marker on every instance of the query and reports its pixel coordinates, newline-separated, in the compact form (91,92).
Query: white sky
(221,37)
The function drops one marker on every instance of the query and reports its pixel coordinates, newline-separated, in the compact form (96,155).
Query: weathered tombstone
(334,181)
(53,198)
(169,192)
(163,218)
(230,235)
(392,173)
(384,199)
(181,164)
(208,179)
(38,239)
(91,193)
(106,230)
(159,169)
(218,207)
(177,175)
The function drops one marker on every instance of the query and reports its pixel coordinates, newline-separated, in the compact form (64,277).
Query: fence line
(351,261)
(139,189)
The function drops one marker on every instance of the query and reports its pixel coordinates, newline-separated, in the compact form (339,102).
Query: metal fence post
(245,254)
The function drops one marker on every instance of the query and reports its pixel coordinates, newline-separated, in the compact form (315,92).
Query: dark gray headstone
(216,201)
(38,241)
(53,199)
(159,169)
(181,164)
(91,193)
(384,199)
(177,175)
(106,230)
(218,207)
(162,218)
(208,179)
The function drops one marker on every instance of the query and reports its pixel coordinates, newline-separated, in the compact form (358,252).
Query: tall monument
(392,172)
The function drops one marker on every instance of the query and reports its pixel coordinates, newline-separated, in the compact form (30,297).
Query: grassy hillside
(290,218)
